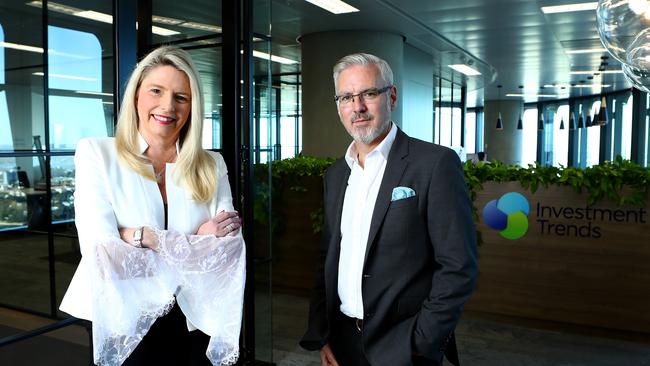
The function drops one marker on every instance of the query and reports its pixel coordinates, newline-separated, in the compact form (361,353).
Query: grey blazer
(420,263)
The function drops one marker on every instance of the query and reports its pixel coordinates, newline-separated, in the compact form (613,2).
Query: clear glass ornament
(639,78)
(638,52)
(624,30)
(620,22)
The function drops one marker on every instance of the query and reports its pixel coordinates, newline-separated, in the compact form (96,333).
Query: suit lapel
(337,186)
(395,167)
(340,187)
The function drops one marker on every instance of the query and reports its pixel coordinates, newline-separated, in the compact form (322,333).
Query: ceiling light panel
(587,50)
(201,26)
(21,47)
(577,86)
(464,69)
(532,95)
(334,6)
(590,72)
(568,8)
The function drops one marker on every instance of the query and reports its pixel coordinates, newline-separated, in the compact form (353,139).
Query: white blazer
(109,195)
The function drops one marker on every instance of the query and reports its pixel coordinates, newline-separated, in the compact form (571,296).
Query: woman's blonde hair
(195,168)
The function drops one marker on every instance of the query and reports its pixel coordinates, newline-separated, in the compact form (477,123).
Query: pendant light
(520,124)
(602,114)
(581,119)
(499,120)
(562,123)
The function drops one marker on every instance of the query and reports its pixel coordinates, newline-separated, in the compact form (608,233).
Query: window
(626,129)
(6,140)
(561,136)
(76,98)
(470,132)
(529,136)
(593,136)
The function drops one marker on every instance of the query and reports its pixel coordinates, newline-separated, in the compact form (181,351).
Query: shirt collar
(144,145)
(352,156)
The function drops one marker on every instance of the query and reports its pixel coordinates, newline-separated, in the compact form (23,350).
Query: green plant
(286,173)
(622,181)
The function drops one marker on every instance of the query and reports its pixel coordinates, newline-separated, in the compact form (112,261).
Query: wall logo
(508,214)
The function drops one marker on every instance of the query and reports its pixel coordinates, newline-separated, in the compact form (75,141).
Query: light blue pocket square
(399,193)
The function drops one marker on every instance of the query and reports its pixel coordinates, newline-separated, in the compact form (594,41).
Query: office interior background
(507,77)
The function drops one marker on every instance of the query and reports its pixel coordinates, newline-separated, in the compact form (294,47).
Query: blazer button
(366,275)
(368,315)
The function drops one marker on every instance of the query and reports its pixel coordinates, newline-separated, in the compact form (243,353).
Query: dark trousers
(347,346)
(345,342)
(168,342)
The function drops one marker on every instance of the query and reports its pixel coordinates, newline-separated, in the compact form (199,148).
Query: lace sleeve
(132,287)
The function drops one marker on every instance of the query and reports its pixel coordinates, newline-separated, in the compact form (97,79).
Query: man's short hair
(363,59)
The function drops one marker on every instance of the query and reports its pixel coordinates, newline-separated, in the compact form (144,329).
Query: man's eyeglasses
(368,95)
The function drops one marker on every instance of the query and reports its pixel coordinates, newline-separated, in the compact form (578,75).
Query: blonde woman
(162,269)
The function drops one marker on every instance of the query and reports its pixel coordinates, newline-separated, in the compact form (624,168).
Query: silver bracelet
(137,237)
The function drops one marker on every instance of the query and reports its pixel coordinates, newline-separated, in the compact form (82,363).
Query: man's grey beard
(366,135)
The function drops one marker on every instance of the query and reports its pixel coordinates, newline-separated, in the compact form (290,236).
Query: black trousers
(168,342)
(347,346)
(345,341)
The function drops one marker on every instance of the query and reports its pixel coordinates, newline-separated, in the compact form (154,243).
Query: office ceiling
(523,46)
(512,42)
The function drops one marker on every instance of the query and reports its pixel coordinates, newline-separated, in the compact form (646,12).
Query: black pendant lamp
(581,121)
(602,114)
(499,119)
(562,123)
(520,124)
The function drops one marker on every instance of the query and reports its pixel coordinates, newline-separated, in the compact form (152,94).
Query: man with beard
(398,248)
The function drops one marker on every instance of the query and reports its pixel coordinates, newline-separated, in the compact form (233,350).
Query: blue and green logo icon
(508,215)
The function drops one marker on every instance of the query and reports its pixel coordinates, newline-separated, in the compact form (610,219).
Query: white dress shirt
(358,207)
